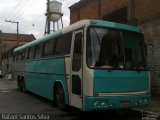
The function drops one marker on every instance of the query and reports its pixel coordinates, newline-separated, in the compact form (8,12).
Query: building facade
(8,41)
(142,13)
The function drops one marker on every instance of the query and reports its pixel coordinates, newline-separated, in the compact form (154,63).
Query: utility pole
(1,48)
(17,30)
(48,17)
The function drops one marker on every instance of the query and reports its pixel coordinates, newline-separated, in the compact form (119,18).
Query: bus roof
(115,25)
(100,23)
(77,25)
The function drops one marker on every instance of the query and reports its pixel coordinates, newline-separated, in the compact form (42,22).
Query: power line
(15,9)
(20,12)
(38,17)
(26,7)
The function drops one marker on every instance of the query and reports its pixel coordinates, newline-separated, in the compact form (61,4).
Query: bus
(90,65)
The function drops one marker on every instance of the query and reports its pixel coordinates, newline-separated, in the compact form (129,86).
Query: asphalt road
(15,103)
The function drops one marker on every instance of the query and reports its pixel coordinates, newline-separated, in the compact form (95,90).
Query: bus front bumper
(115,102)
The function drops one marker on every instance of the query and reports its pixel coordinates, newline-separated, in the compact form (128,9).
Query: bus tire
(60,97)
(23,85)
(19,84)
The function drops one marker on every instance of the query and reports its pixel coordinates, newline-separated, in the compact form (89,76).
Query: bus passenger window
(31,53)
(23,55)
(19,56)
(28,52)
(49,48)
(38,51)
(63,44)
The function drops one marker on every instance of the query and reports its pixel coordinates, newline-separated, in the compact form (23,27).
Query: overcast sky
(30,14)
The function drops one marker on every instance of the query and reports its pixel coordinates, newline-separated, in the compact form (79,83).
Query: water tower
(54,14)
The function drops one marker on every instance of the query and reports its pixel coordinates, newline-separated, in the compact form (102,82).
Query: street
(14,102)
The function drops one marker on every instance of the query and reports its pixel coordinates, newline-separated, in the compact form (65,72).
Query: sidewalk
(154,106)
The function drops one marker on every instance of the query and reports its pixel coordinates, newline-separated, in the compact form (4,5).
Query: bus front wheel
(59,97)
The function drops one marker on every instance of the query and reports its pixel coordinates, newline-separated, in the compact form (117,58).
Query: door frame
(76,99)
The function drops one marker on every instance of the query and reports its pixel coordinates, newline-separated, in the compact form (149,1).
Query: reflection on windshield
(110,48)
(134,50)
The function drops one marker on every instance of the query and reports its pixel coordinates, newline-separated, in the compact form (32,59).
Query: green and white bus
(90,65)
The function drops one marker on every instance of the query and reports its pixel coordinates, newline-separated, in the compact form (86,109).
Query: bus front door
(76,70)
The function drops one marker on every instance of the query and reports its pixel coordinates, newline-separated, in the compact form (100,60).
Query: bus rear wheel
(21,85)
(59,97)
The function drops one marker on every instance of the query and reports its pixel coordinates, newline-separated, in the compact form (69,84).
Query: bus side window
(59,44)
(67,38)
(30,53)
(33,52)
(23,55)
(38,51)
(63,44)
(49,48)
(19,56)
(27,53)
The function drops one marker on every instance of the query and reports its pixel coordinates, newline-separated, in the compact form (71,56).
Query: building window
(119,16)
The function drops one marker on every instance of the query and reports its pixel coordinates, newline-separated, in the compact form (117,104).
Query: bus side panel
(42,74)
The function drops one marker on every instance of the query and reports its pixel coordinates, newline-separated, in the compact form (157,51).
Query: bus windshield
(115,49)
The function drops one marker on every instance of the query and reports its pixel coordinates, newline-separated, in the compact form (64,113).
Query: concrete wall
(151,31)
